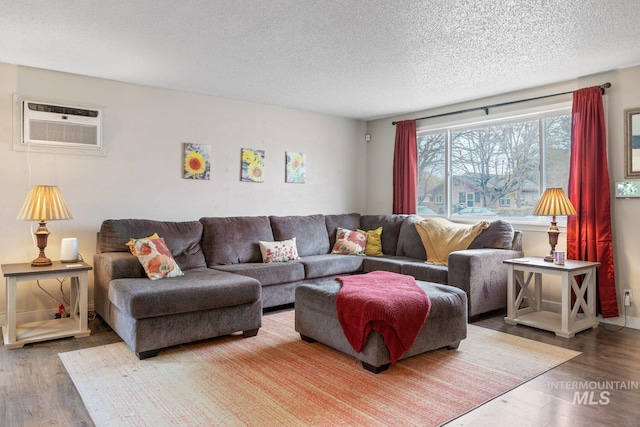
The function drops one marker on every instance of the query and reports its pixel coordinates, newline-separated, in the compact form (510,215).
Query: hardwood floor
(35,389)
(591,389)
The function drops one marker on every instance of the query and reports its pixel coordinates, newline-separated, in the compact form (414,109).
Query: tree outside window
(500,166)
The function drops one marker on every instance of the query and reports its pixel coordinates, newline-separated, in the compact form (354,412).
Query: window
(500,165)
(470,199)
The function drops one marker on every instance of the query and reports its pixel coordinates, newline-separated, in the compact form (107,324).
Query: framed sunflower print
(196,164)
(295,168)
(252,165)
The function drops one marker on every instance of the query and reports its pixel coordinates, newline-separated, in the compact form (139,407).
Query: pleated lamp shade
(44,203)
(553,202)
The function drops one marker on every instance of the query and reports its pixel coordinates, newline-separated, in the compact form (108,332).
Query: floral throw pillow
(156,259)
(349,242)
(130,243)
(285,250)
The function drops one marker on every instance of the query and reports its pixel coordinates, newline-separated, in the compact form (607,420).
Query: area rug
(278,379)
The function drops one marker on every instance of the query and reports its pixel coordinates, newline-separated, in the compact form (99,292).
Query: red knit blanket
(392,304)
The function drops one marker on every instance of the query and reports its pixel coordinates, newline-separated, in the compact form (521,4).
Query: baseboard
(552,306)
(632,322)
(36,316)
(31,316)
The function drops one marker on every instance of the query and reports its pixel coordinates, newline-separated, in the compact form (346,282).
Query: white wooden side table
(16,336)
(579,276)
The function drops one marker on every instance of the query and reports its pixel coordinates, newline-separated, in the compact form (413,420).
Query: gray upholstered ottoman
(316,319)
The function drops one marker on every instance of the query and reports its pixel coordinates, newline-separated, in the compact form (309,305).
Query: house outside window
(502,165)
(505,201)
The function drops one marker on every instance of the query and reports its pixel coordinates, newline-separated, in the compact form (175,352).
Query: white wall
(624,93)
(141,175)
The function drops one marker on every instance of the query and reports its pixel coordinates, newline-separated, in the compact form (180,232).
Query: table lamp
(553,202)
(43,203)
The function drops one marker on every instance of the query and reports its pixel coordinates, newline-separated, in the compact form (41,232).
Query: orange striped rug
(277,379)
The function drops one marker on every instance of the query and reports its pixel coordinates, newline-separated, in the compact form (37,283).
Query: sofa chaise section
(204,303)
(151,315)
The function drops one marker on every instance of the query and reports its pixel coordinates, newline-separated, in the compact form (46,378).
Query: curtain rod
(486,108)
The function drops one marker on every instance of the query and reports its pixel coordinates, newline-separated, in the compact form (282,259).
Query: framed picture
(295,168)
(196,164)
(252,165)
(626,189)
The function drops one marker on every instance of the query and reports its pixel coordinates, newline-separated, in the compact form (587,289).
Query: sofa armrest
(482,274)
(109,266)
(116,265)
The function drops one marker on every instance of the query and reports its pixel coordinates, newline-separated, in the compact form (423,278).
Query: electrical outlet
(628,297)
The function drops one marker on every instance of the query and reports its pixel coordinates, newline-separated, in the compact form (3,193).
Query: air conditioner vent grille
(62,132)
(58,109)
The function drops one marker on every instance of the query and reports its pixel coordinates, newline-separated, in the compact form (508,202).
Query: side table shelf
(16,336)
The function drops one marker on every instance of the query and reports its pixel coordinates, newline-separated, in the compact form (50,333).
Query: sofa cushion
(390,229)
(409,242)
(384,263)
(310,232)
(268,274)
(517,241)
(350,221)
(233,240)
(499,235)
(427,272)
(198,289)
(330,264)
(182,238)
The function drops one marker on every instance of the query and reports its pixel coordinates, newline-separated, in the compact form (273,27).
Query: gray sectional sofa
(226,285)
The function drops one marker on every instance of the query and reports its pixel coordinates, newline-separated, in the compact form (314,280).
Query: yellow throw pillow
(131,243)
(440,237)
(374,242)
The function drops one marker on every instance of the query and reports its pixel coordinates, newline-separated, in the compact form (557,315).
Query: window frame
(537,112)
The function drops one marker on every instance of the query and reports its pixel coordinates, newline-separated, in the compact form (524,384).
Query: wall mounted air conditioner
(58,128)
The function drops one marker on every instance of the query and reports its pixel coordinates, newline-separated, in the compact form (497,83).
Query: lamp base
(553,233)
(42,235)
(41,262)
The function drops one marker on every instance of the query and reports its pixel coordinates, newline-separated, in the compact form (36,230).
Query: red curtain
(589,236)
(405,168)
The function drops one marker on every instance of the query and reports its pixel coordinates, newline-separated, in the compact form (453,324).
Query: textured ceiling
(361,59)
